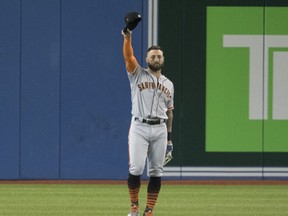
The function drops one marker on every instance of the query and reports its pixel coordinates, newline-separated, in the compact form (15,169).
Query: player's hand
(168,156)
(127,33)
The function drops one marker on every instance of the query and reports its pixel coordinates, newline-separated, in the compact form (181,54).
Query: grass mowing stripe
(61,199)
(225,200)
(184,200)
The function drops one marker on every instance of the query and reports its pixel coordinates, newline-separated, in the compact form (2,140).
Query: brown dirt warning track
(164,182)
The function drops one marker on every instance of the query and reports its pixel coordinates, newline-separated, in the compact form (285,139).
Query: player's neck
(155,73)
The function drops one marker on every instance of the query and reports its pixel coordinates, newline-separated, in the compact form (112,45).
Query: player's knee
(136,171)
(156,172)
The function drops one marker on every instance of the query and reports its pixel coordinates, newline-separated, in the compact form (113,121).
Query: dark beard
(155,68)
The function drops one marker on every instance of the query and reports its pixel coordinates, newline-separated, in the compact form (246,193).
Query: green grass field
(112,200)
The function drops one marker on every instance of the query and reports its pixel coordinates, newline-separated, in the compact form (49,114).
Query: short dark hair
(154,48)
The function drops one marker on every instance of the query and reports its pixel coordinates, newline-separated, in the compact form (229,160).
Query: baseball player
(152,97)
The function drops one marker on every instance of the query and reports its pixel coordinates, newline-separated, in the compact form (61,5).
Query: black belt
(153,121)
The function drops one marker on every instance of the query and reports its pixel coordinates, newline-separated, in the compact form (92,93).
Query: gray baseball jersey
(150,96)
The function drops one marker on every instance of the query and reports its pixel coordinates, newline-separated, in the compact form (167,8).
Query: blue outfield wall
(64,92)
(9,88)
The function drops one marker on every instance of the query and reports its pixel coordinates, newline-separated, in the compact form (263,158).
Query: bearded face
(155,60)
(155,66)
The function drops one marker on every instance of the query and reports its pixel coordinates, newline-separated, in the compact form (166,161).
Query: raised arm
(130,60)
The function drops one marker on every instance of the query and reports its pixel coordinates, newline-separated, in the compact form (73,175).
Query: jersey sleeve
(135,74)
(170,102)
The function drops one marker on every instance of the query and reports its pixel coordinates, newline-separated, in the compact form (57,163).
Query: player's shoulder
(166,79)
(139,69)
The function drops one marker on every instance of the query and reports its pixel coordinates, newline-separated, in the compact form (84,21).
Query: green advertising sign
(247,79)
